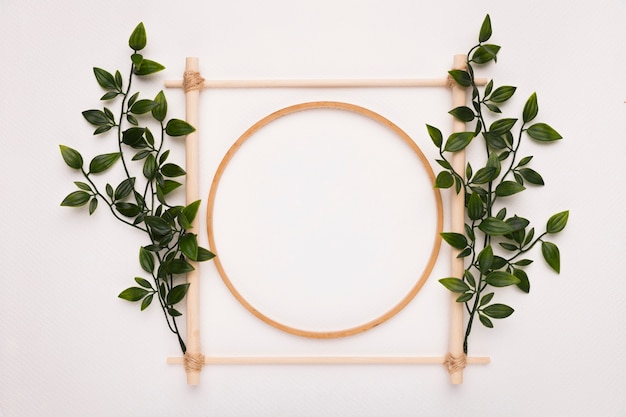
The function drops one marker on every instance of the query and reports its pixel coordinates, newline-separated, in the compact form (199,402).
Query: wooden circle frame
(336,106)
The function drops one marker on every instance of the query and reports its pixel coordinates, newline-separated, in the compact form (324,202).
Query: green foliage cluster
(495,244)
(142,204)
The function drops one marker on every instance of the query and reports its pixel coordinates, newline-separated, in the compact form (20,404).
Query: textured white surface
(69,347)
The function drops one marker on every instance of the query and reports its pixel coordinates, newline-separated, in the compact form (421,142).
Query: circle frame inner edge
(337,106)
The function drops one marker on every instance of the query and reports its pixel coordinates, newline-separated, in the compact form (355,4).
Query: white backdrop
(69,347)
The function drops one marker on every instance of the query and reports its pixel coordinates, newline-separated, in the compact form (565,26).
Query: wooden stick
(457,220)
(363,83)
(328,360)
(192,192)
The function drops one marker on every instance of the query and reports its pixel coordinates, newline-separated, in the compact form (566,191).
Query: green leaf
(444,180)
(467,275)
(148,67)
(137,60)
(524,282)
(71,157)
(475,207)
(485,321)
(485,53)
(508,246)
(103,162)
(501,279)
(83,186)
(133,294)
(138,39)
(96,117)
(188,245)
(204,255)
(435,135)
(485,259)
(461,77)
(507,188)
(160,110)
(133,135)
(177,294)
(105,79)
(557,222)
(543,133)
(531,176)
(502,94)
(173,312)
(143,106)
(486,299)
(517,223)
(495,141)
(109,95)
(493,108)
(456,240)
(552,255)
(150,167)
(141,155)
(118,80)
(146,301)
(455,285)
(125,188)
(179,266)
(146,260)
(524,161)
(463,113)
(458,141)
(485,175)
(127,209)
(498,311)
(501,126)
(495,227)
(531,108)
(169,186)
(177,127)
(76,199)
(485,30)
(157,225)
(144,283)
(132,119)
(172,170)
(93,205)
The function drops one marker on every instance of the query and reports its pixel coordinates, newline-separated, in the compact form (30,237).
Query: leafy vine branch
(141,201)
(494,243)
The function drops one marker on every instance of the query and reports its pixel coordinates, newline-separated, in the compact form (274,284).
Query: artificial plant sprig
(495,244)
(140,201)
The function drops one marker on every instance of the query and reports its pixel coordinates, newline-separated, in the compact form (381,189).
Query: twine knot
(193,362)
(192,81)
(455,363)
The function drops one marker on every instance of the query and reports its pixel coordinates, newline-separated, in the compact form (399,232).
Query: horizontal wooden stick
(330,360)
(352,83)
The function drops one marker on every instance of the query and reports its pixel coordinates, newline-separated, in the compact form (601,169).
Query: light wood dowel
(363,83)
(457,222)
(192,193)
(327,360)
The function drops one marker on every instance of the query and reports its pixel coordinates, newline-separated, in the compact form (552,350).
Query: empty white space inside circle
(324,219)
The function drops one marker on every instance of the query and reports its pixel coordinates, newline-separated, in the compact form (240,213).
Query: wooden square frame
(193,360)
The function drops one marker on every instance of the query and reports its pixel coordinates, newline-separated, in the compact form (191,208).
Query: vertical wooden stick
(192,192)
(457,220)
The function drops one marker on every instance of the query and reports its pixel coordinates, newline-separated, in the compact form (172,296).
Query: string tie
(193,362)
(455,363)
(192,81)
